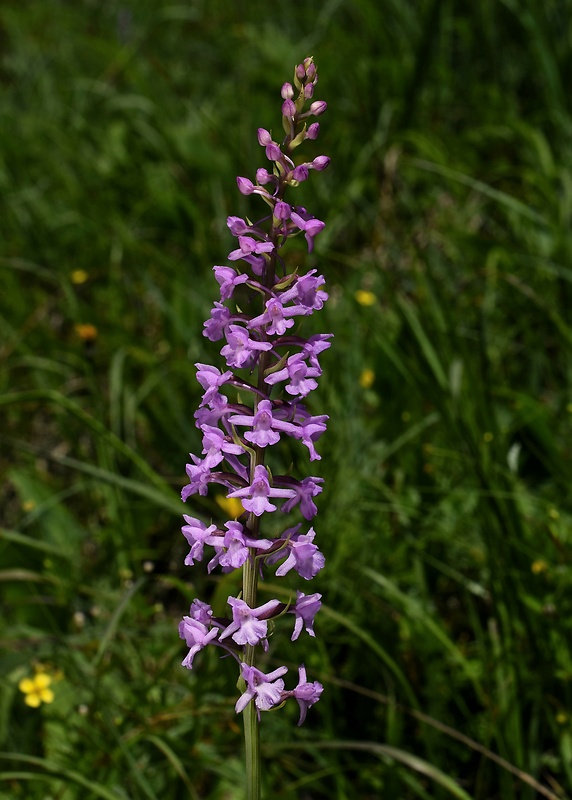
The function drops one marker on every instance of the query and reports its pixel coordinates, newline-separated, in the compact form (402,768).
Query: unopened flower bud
(288,109)
(311,72)
(282,210)
(300,72)
(237,226)
(320,163)
(313,130)
(263,176)
(287,91)
(273,152)
(318,107)
(300,173)
(308,91)
(245,186)
(264,137)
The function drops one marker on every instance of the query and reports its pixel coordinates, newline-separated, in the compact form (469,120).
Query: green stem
(250,569)
(252,745)
(251,725)
(249,592)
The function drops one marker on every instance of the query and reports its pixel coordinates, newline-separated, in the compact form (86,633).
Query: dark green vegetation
(444,646)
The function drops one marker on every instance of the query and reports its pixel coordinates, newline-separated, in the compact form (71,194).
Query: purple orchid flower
(303,556)
(305,609)
(251,251)
(216,445)
(265,690)
(307,292)
(241,350)
(306,693)
(311,227)
(197,636)
(276,318)
(304,492)
(299,375)
(235,547)
(249,625)
(265,426)
(197,535)
(228,279)
(211,379)
(255,497)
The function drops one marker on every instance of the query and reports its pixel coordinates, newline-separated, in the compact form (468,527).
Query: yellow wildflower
(365,298)
(36,690)
(539,566)
(86,331)
(367,378)
(79,276)
(231,506)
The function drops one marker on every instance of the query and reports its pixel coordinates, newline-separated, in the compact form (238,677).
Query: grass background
(444,643)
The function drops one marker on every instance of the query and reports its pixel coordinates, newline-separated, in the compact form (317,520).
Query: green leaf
(54,771)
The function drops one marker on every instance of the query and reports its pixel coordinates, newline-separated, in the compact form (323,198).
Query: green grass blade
(370,641)
(166,498)
(416,611)
(427,348)
(383,751)
(114,621)
(67,405)
(36,544)
(54,771)
(478,186)
(175,762)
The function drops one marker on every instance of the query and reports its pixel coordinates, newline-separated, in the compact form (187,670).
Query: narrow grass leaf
(63,402)
(412,762)
(54,771)
(417,612)
(166,499)
(36,544)
(175,762)
(114,621)
(424,342)
(478,186)
(360,633)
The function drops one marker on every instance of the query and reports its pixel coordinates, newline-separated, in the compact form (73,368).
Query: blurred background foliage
(444,643)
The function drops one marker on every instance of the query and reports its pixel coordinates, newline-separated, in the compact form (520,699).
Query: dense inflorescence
(247,408)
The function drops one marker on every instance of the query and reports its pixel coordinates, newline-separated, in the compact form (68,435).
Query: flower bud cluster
(253,403)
